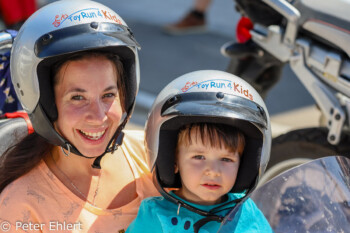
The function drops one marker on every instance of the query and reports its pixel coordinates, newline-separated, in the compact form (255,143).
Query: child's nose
(213,169)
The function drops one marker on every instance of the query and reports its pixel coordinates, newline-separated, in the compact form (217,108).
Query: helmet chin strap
(117,142)
(197,225)
(207,216)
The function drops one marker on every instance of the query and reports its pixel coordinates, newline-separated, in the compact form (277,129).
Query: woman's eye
(109,95)
(77,97)
(199,157)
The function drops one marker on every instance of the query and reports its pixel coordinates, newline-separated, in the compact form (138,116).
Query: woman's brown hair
(32,149)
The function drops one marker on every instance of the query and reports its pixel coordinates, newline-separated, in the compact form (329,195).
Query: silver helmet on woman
(55,32)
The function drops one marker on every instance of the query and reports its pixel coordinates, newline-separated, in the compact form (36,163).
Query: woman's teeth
(93,136)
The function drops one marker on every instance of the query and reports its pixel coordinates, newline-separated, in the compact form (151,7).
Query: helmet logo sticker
(188,85)
(58,19)
(85,14)
(218,84)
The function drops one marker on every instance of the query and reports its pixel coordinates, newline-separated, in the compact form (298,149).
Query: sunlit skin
(88,105)
(207,173)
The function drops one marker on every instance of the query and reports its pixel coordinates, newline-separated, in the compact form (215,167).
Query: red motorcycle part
(243,30)
(22,114)
(15,11)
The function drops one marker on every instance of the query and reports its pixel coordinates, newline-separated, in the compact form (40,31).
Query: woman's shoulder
(21,184)
(35,187)
(134,151)
(22,193)
(28,184)
(134,134)
(134,140)
(37,196)
(134,148)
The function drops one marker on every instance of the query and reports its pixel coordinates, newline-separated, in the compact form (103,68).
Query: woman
(75,69)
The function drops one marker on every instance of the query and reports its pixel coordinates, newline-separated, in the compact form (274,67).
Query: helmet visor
(216,105)
(84,37)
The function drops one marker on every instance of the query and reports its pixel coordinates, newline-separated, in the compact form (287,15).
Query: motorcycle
(312,197)
(312,38)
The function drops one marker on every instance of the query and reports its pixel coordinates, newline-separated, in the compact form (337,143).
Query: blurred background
(164,57)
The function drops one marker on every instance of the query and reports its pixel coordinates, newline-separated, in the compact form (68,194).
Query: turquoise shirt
(158,215)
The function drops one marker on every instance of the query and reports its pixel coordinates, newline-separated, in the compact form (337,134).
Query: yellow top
(40,202)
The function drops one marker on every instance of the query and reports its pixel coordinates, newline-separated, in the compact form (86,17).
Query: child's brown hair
(217,135)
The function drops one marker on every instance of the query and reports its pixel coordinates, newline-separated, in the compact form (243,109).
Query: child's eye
(227,160)
(198,157)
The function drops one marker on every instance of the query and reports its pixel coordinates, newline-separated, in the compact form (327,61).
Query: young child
(208,137)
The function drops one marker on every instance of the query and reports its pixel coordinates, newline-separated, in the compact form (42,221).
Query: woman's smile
(89,107)
(93,136)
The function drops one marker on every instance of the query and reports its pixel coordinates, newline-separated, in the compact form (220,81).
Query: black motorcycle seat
(11,132)
(330,12)
(327,20)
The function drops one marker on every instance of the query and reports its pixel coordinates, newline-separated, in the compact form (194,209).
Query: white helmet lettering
(86,14)
(217,85)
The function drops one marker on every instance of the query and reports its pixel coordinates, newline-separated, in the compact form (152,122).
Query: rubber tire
(303,145)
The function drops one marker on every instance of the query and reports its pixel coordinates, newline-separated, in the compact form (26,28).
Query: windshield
(313,197)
